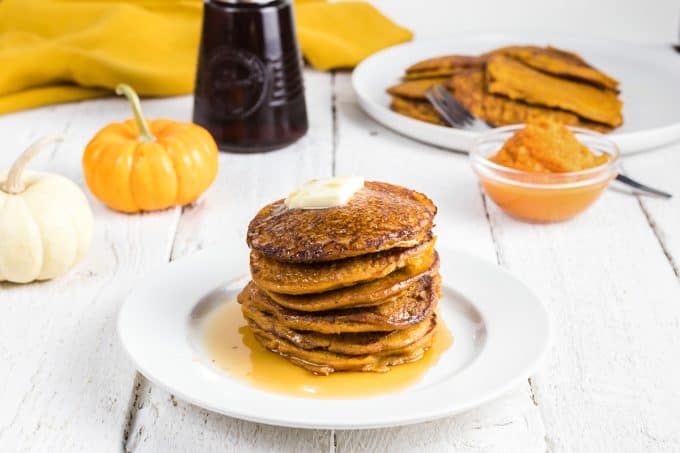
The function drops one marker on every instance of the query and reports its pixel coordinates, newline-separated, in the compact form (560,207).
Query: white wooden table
(610,278)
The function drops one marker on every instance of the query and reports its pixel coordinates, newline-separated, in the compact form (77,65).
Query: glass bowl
(542,197)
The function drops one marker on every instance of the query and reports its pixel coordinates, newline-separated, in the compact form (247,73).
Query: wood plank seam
(132,408)
(140,382)
(334,123)
(332,442)
(531,392)
(659,236)
(494,239)
(135,435)
(183,210)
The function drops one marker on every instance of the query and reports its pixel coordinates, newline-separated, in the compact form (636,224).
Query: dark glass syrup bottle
(249,91)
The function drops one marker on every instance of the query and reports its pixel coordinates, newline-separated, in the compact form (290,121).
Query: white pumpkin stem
(126,90)
(14,183)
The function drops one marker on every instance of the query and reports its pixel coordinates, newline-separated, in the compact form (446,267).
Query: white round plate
(500,330)
(649,78)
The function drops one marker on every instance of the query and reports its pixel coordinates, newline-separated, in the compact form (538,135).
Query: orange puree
(545,189)
(544,146)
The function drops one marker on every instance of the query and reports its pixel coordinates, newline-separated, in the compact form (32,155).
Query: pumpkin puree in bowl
(544,171)
(545,146)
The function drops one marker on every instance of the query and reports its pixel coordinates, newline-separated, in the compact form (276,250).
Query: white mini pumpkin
(45,222)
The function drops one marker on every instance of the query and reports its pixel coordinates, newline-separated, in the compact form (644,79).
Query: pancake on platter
(345,275)
(514,84)
(325,362)
(378,217)
(345,343)
(416,89)
(416,109)
(407,308)
(368,294)
(295,278)
(446,64)
(425,75)
(509,77)
(558,62)
(469,89)
(548,59)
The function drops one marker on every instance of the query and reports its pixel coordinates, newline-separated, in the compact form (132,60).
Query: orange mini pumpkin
(140,165)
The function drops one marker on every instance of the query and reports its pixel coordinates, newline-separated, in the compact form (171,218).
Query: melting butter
(324,193)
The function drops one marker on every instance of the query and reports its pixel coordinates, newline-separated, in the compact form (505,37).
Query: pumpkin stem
(126,90)
(14,184)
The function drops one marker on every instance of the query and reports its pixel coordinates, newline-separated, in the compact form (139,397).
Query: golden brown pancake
(324,362)
(469,89)
(296,278)
(442,64)
(408,308)
(368,294)
(435,74)
(345,343)
(511,78)
(515,84)
(558,63)
(415,89)
(419,110)
(378,217)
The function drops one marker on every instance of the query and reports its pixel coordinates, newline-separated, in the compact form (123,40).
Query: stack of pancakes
(348,288)
(513,85)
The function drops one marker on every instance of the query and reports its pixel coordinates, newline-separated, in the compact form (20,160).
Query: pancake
(447,63)
(378,217)
(416,89)
(323,362)
(375,292)
(423,75)
(407,309)
(294,278)
(559,63)
(469,89)
(345,343)
(419,110)
(515,80)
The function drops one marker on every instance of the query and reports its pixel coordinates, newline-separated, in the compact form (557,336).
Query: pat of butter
(324,193)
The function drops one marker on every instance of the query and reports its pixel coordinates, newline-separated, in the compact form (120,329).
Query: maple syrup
(231,346)
(249,90)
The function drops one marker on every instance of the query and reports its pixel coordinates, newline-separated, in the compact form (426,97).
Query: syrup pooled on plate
(231,346)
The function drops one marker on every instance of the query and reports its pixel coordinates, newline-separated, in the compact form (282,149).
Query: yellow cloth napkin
(55,51)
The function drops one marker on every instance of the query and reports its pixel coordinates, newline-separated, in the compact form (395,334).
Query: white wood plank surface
(610,381)
(661,169)
(245,183)
(366,148)
(165,424)
(509,424)
(609,278)
(64,380)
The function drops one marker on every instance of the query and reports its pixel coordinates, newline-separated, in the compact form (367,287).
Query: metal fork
(448,107)
(458,116)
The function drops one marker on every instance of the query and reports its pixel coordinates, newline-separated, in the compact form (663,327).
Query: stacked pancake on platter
(512,85)
(345,288)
